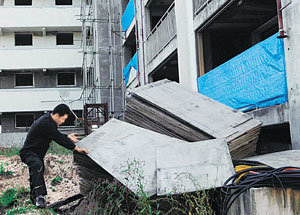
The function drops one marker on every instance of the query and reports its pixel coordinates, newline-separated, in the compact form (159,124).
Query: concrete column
(186,40)
(291,21)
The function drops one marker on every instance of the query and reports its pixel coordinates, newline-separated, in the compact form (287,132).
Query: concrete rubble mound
(163,164)
(171,109)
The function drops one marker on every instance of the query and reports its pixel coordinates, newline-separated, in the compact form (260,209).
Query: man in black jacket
(41,133)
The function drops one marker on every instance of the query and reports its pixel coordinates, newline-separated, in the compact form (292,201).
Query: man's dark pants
(36,174)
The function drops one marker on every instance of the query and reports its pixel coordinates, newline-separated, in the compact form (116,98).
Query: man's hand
(73,137)
(81,150)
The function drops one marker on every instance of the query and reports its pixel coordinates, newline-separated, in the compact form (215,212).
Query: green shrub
(58,149)
(55,181)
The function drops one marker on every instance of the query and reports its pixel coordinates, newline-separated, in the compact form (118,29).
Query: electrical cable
(253,175)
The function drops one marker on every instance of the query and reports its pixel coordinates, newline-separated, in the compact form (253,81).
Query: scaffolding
(101,74)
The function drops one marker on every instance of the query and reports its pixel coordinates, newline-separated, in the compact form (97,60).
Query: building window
(66,79)
(23,39)
(23,2)
(24,80)
(64,39)
(63,2)
(24,120)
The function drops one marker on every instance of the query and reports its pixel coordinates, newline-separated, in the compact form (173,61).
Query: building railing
(199,5)
(162,34)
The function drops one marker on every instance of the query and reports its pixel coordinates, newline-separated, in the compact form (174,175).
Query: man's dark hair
(61,109)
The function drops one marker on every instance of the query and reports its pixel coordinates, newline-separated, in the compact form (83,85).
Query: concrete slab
(279,159)
(128,153)
(192,166)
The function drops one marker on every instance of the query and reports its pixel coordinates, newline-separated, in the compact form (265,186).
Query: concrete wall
(267,201)
(108,62)
(186,44)
(291,19)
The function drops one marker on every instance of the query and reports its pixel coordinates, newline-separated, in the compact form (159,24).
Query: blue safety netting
(128,15)
(132,63)
(254,78)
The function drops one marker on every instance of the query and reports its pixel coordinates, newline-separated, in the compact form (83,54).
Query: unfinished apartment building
(229,50)
(40,62)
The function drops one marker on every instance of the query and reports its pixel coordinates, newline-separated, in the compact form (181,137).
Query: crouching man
(41,133)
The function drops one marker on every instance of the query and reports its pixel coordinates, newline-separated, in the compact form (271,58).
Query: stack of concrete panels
(171,109)
(162,164)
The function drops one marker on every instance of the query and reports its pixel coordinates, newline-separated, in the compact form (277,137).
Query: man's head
(60,113)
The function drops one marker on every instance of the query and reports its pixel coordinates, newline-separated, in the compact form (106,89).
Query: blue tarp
(254,78)
(128,15)
(132,63)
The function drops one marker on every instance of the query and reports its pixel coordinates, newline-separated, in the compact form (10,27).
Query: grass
(16,201)
(53,149)
(4,172)
(112,197)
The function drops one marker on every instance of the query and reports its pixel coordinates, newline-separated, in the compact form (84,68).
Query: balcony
(128,16)
(39,58)
(33,18)
(161,35)
(39,99)
(130,71)
(199,5)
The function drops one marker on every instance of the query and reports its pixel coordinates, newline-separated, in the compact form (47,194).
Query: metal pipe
(137,43)
(280,22)
(143,42)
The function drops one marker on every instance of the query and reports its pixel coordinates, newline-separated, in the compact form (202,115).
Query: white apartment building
(40,61)
(225,49)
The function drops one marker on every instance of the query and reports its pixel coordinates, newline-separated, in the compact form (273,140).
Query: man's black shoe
(40,202)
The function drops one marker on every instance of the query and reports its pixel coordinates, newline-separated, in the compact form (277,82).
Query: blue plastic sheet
(254,78)
(128,15)
(126,71)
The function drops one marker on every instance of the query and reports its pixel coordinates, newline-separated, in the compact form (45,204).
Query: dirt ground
(55,166)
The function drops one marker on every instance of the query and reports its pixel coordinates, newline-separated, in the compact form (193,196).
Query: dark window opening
(23,2)
(168,70)
(66,79)
(63,2)
(24,80)
(241,26)
(157,8)
(70,121)
(274,138)
(23,39)
(24,120)
(64,39)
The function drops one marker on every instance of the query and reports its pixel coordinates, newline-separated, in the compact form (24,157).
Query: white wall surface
(38,17)
(29,58)
(39,99)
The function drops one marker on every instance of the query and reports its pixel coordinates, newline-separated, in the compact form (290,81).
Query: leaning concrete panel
(169,108)
(279,159)
(128,153)
(192,166)
(119,147)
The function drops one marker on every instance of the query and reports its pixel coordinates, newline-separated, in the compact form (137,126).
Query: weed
(11,151)
(58,150)
(55,181)
(112,197)
(4,172)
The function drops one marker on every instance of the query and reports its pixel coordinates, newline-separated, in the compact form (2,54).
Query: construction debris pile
(168,108)
(182,147)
